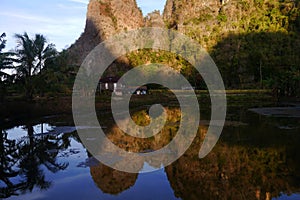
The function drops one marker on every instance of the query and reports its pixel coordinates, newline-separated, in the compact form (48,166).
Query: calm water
(256,158)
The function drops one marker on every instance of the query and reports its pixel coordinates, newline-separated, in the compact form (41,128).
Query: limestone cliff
(105,18)
(179,11)
(252,42)
(154,19)
(209,21)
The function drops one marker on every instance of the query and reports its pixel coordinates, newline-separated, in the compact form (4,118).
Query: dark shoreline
(15,111)
(18,110)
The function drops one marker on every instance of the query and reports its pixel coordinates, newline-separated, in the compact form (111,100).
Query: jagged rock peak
(176,11)
(154,19)
(112,16)
(104,19)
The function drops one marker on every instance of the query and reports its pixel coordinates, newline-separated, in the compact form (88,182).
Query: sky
(61,21)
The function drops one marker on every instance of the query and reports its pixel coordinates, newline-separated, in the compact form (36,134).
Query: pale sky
(61,21)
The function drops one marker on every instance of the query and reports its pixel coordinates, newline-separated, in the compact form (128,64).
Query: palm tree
(32,54)
(6,62)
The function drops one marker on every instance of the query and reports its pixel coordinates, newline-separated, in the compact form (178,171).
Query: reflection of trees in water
(8,154)
(24,158)
(141,118)
(237,170)
(249,162)
(113,181)
(161,135)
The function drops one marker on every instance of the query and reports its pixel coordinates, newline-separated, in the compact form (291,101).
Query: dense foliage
(37,69)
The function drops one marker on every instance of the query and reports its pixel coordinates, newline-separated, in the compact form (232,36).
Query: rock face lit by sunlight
(104,19)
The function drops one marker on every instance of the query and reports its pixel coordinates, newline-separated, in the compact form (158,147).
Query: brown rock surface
(104,19)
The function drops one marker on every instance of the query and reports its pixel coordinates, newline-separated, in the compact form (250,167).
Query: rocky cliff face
(154,19)
(207,21)
(196,18)
(241,36)
(179,11)
(210,21)
(105,18)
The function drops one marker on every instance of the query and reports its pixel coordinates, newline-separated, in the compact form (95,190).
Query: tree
(58,75)
(32,55)
(6,62)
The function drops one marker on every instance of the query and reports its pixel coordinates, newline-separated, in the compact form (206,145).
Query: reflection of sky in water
(154,185)
(76,181)
(21,131)
(286,197)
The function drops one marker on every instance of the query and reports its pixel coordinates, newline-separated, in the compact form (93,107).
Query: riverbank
(15,110)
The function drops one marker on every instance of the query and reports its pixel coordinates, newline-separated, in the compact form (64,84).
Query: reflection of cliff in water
(255,161)
(142,118)
(112,181)
(249,162)
(159,136)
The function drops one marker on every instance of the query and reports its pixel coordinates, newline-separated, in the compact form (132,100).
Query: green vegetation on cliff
(255,43)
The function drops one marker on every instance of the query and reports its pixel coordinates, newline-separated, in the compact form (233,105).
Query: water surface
(256,158)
